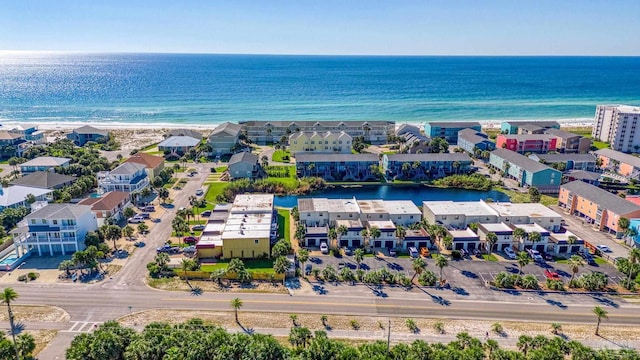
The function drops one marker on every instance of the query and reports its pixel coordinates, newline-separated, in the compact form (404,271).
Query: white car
(603,248)
(535,254)
(510,253)
(324,248)
(199,192)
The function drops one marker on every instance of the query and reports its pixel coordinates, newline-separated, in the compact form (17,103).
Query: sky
(324,27)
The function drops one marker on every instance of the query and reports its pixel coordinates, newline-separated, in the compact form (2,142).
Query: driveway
(589,233)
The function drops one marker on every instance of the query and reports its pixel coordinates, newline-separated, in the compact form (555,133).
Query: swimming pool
(9,259)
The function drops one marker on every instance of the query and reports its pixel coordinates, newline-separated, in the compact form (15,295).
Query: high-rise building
(616,124)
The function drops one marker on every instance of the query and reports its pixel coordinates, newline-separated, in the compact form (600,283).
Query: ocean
(210,89)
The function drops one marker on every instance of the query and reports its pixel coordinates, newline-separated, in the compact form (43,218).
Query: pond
(416,193)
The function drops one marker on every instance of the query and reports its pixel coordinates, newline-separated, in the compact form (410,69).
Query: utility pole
(388,334)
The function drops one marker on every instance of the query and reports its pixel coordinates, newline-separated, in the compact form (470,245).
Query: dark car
(206,213)
(138,244)
(144,215)
(307,269)
(197,228)
(149,208)
(190,240)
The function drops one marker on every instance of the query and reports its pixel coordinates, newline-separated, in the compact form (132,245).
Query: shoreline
(115,125)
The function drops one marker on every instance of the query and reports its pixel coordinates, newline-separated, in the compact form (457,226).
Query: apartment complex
(344,167)
(459,215)
(224,137)
(55,229)
(597,206)
(249,227)
(513,127)
(262,132)
(525,171)
(449,130)
(569,142)
(435,165)
(470,140)
(586,162)
(529,143)
(620,163)
(326,142)
(616,124)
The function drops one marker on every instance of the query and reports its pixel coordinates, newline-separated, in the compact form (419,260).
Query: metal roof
(520,160)
(601,197)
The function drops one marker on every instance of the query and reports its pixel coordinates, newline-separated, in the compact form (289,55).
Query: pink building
(530,143)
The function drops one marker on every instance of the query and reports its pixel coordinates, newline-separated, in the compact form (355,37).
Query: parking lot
(466,277)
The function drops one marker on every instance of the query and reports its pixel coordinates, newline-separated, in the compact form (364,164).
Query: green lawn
(279,154)
(600,145)
(264,266)
(284,220)
(517,197)
(215,189)
(490,257)
(150,147)
(599,260)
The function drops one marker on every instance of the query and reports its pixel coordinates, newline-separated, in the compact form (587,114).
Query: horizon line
(3,52)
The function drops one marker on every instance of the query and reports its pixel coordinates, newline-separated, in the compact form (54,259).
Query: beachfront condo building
(616,125)
(55,229)
(417,166)
(224,138)
(471,140)
(513,127)
(323,142)
(262,132)
(525,171)
(597,206)
(449,129)
(529,143)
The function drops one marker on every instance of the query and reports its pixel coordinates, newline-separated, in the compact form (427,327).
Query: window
(256,241)
(33,221)
(55,222)
(44,221)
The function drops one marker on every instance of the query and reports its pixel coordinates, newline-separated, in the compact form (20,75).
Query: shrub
(497,328)
(455,254)
(555,284)
(32,276)
(412,326)
(505,280)
(355,324)
(438,326)
(427,278)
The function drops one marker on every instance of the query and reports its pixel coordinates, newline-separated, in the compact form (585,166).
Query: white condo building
(616,124)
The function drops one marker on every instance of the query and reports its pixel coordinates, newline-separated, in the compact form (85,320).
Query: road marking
(82,326)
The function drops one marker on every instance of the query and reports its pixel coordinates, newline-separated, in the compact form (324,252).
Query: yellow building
(250,227)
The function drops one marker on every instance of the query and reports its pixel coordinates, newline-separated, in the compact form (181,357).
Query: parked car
(155,220)
(149,208)
(206,213)
(138,244)
(189,249)
(190,240)
(135,220)
(307,269)
(551,275)
(324,248)
(347,251)
(413,252)
(144,215)
(535,255)
(603,248)
(199,192)
(198,227)
(510,254)
(166,248)
(392,252)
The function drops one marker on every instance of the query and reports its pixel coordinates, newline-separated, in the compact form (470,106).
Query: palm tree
(556,328)
(491,239)
(634,258)
(303,257)
(623,223)
(534,237)
(342,231)
(7,296)
(374,233)
(523,259)
(441,262)
(236,304)
(365,236)
(401,232)
(358,255)
(332,234)
(575,262)
(280,266)
(418,265)
(600,314)
(519,235)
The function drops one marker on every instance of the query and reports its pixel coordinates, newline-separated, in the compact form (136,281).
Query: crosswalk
(82,326)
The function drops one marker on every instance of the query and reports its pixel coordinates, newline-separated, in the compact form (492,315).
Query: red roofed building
(153,164)
(110,204)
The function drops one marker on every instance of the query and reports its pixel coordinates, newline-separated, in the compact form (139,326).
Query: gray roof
(90,130)
(228,128)
(472,136)
(520,160)
(601,197)
(531,127)
(425,157)
(620,156)
(60,211)
(16,194)
(336,157)
(583,175)
(307,123)
(525,137)
(454,124)
(561,133)
(544,124)
(46,161)
(185,132)
(127,168)
(243,157)
(407,128)
(179,141)
(43,180)
(555,158)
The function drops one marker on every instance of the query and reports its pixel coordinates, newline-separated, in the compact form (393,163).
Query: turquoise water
(9,259)
(95,195)
(415,193)
(209,89)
